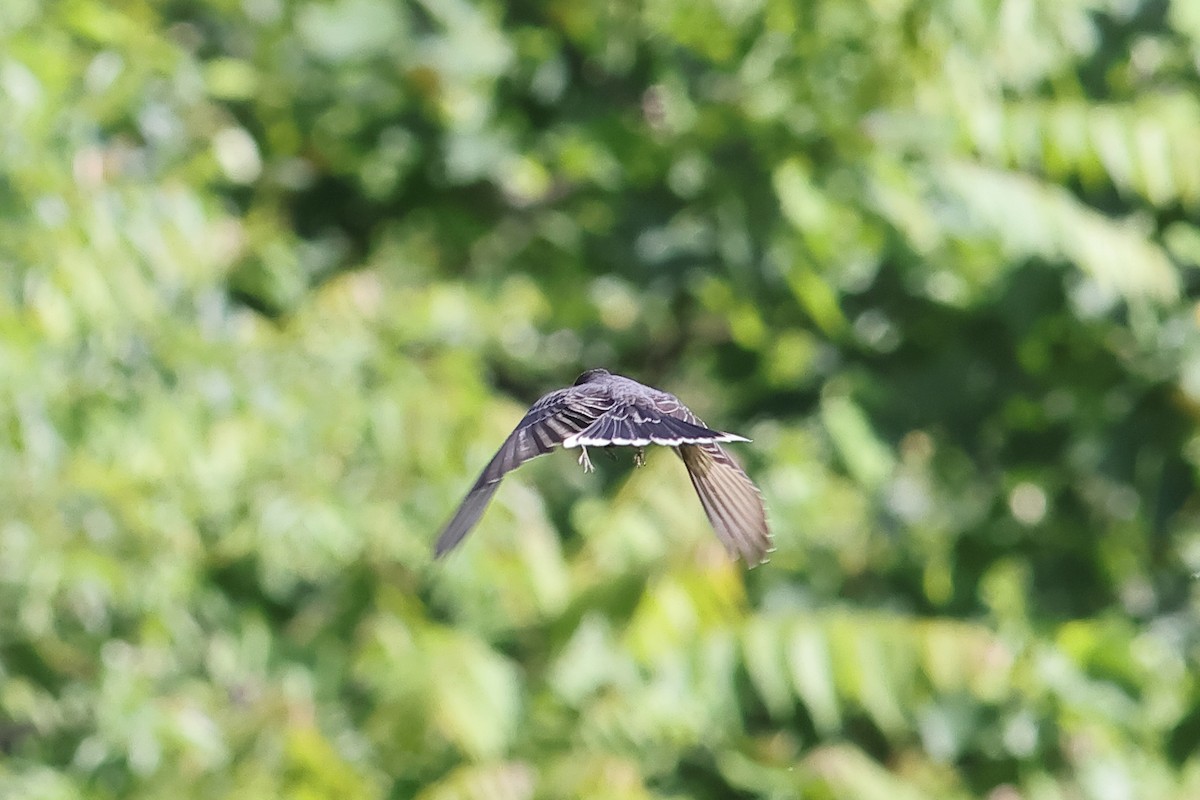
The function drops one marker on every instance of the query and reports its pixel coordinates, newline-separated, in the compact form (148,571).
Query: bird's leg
(584,461)
(639,457)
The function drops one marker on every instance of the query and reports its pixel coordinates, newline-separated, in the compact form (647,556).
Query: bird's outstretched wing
(730,499)
(549,421)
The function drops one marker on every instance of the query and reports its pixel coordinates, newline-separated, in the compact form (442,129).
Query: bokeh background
(277,277)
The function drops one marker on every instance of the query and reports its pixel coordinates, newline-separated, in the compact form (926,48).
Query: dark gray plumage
(604,410)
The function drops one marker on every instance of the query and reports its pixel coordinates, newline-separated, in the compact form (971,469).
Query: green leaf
(867,458)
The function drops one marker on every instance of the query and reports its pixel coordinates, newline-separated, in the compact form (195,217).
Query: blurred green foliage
(277,277)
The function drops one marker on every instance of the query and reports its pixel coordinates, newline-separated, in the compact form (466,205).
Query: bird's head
(591,375)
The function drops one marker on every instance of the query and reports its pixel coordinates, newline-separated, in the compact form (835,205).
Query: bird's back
(628,391)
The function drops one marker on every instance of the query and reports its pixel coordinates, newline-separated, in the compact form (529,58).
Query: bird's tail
(632,426)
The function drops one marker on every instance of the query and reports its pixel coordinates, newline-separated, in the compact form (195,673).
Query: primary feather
(549,421)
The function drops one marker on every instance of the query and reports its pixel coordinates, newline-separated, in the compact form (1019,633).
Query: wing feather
(730,499)
(549,421)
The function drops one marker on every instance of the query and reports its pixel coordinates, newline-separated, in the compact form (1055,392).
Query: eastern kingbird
(605,410)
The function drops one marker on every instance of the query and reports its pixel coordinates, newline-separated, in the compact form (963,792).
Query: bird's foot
(639,457)
(584,461)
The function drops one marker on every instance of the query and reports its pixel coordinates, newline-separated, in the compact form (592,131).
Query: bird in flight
(606,410)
